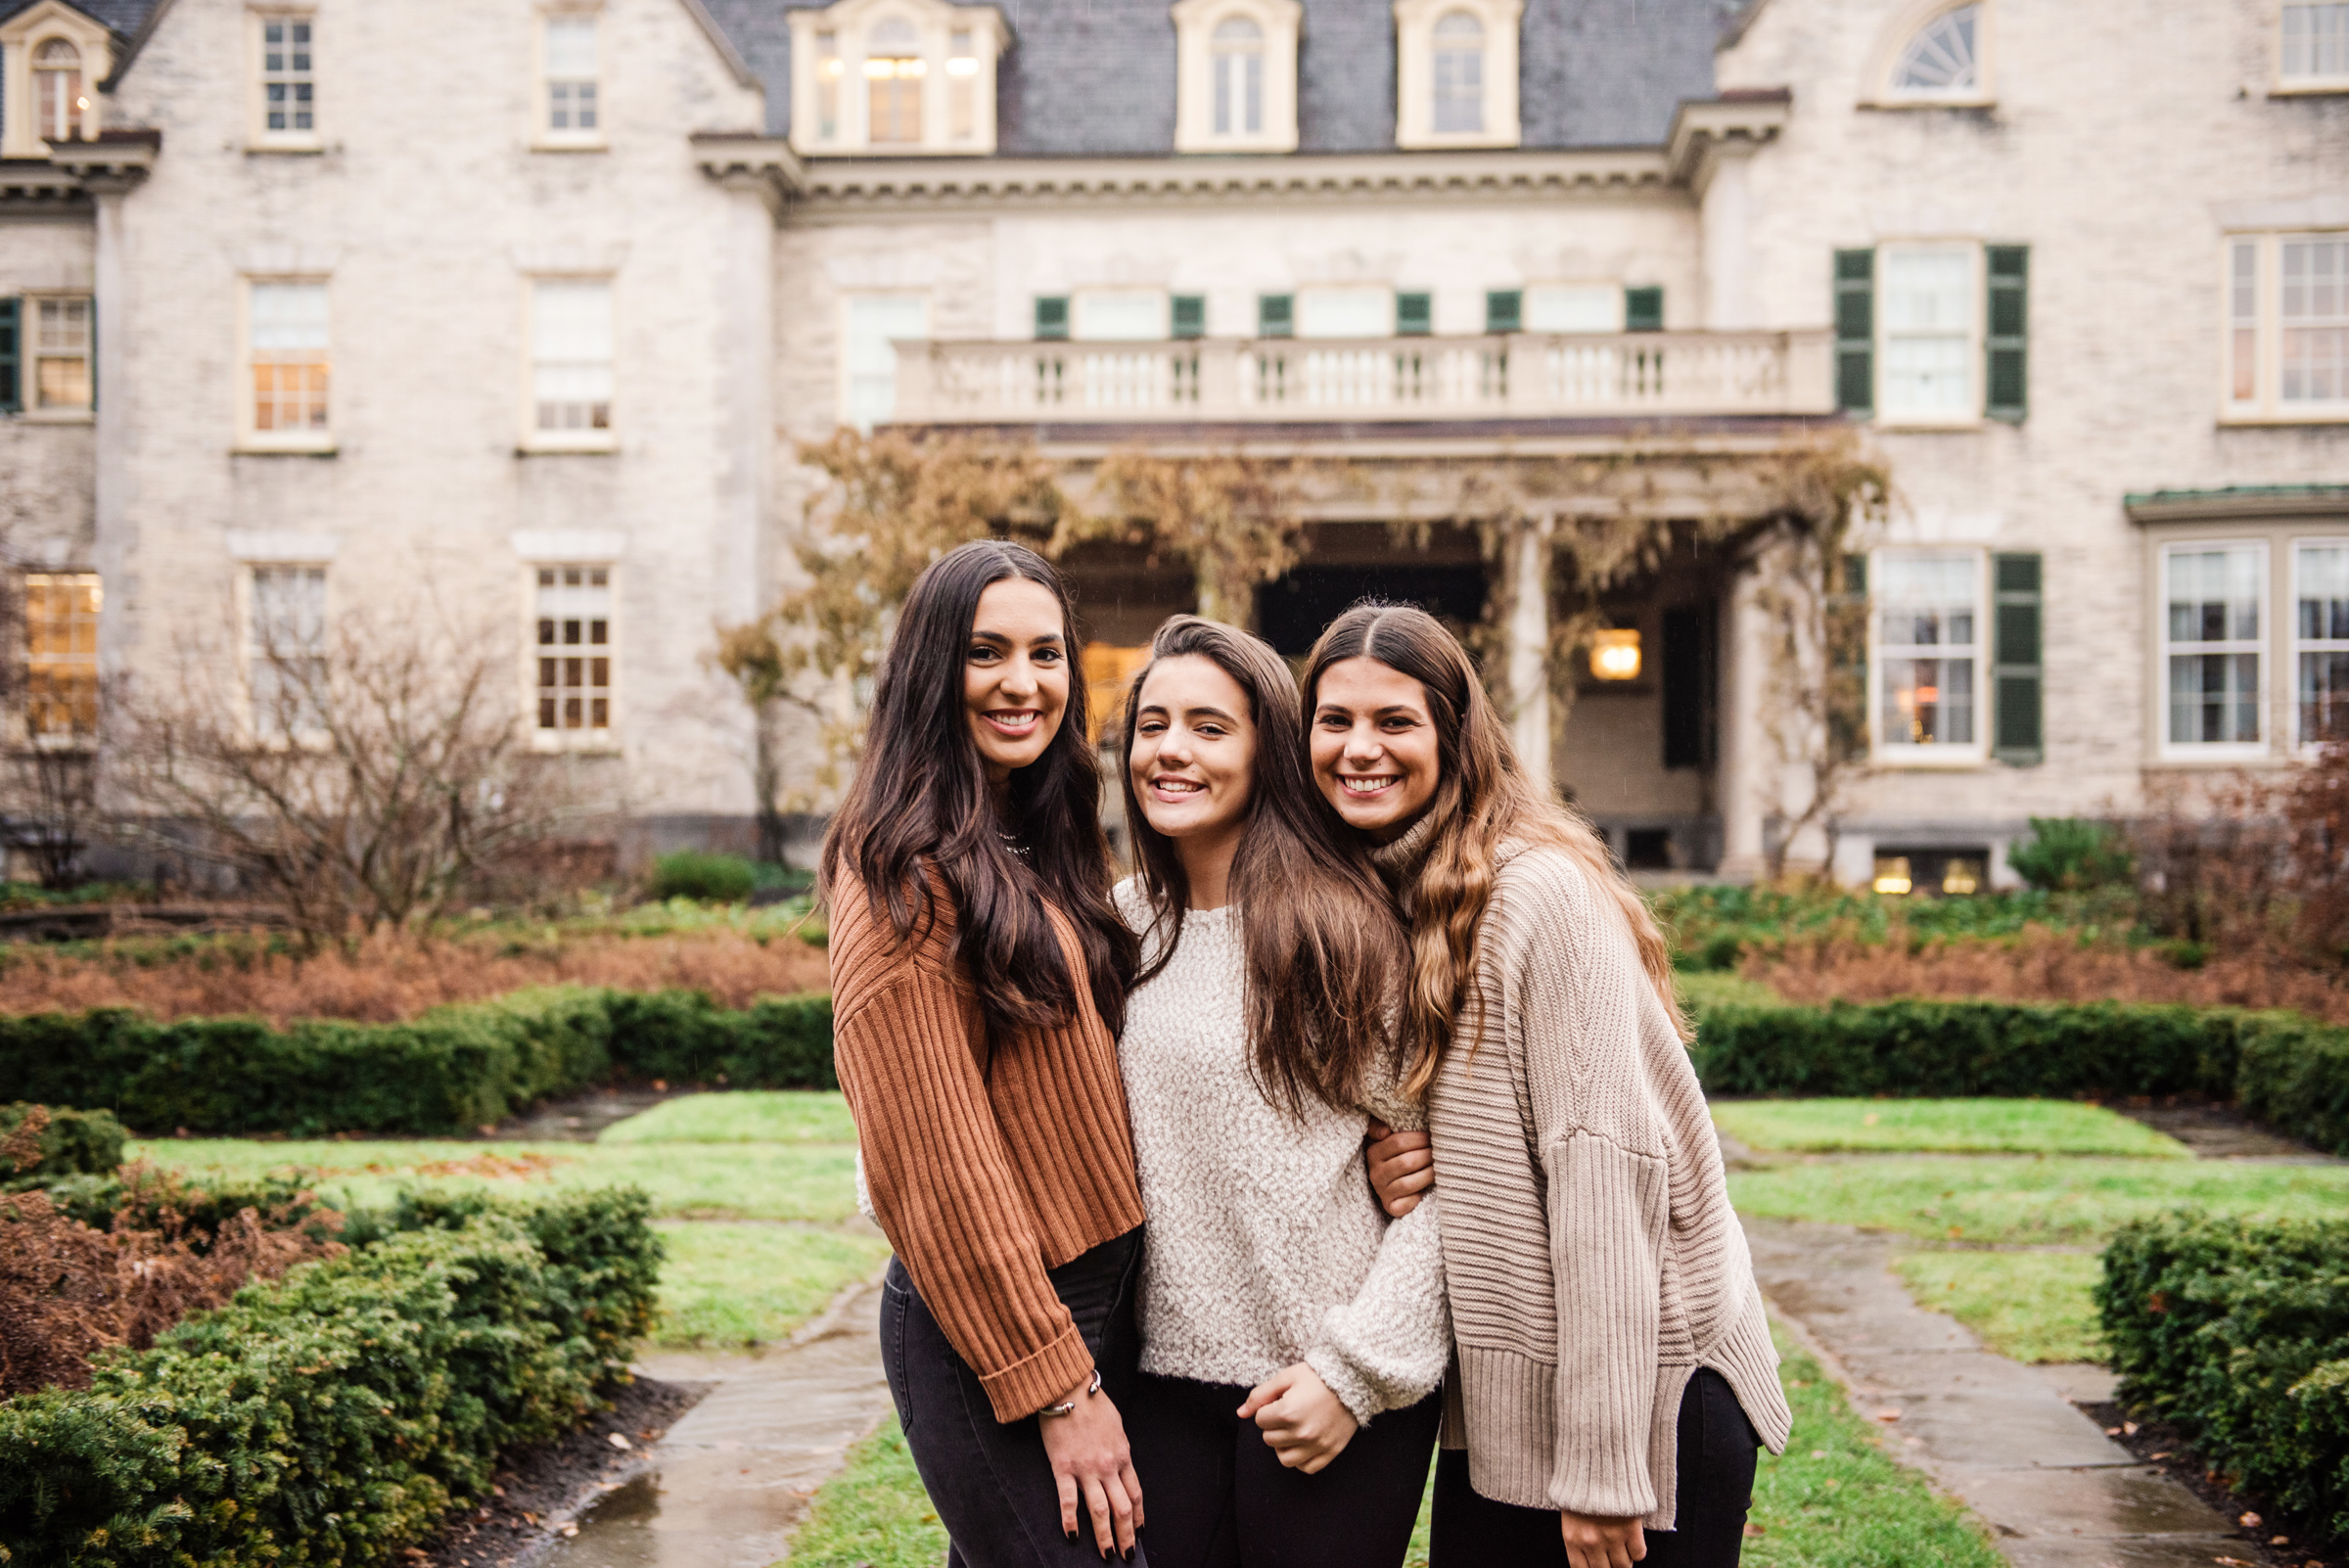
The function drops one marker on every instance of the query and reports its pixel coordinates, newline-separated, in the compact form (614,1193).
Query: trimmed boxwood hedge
(335,1415)
(452,1070)
(2239,1332)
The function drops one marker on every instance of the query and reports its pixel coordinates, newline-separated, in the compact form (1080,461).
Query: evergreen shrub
(699,874)
(62,1142)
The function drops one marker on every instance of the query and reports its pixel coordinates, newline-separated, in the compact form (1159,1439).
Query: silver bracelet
(1068,1406)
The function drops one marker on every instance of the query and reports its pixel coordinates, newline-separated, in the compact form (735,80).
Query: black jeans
(989,1480)
(1717,1445)
(1218,1497)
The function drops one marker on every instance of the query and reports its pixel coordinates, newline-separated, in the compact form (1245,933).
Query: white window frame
(23,33)
(1093,316)
(251,438)
(544,136)
(2286,86)
(1968,414)
(958,47)
(1374,302)
(1891,43)
(586,440)
(1195,23)
(586,738)
(1559,292)
(260,138)
(2266,404)
(1416,72)
(250,650)
(2261,647)
(1941,754)
(2299,644)
(29,347)
(849,413)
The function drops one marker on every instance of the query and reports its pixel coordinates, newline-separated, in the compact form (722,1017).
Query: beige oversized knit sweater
(1592,1260)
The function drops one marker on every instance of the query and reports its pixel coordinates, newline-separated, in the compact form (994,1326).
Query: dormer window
(1455,76)
(1935,54)
(55,57)
(1236,76)
(57,101)
(897,76)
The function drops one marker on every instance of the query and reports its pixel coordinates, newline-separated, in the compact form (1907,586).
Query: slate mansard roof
(1096,77)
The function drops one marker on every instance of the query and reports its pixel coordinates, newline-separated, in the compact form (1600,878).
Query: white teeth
(1365,786)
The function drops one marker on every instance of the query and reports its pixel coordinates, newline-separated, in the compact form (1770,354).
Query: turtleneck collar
(1400,861)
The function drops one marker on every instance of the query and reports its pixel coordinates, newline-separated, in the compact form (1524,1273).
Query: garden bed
(2165,1446)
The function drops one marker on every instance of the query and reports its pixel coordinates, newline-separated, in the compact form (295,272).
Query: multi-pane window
(829,69)
(874,323)
(2316,40)
(2315,320)
(1459,74)
(571,356)
(1929,320)
(2242,321)
(1238,48)
(1944,58)
(2211,643)
(2320,640)
(962,85)
(61,351)
(894,71)
(289,92)
(574,649)
(289,354)
(286,663)
(572,77)
(57,97)
(2286,314)
(1349,311)
(61,654)
(1928,642)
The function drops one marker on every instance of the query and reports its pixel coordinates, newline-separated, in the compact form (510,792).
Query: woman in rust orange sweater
(978,979)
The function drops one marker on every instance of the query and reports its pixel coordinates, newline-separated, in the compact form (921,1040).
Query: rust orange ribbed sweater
(986,1167)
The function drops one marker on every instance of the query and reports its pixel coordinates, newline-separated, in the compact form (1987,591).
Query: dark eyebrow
(1206,712)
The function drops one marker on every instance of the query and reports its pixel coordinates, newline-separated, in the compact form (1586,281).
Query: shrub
(336,1416)
(697,874)
(2072,853)
(39,1144)
(2239,1332)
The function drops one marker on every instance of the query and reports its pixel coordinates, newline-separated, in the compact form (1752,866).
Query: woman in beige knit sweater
(1614,1374)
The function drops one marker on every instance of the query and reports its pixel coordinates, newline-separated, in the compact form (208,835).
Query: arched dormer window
(1935,54)
(57,101)
(1239,48)
(894,73)
(896,77)
(1235,67)
(1455,76)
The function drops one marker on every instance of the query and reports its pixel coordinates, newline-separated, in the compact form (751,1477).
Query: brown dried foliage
(69,1290)
(387,979)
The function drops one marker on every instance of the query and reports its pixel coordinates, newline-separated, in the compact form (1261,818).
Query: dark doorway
(1691,684)
(1291,613)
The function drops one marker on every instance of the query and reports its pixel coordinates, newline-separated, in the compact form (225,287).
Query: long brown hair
(1482,798)
(1321,936)
(920,800)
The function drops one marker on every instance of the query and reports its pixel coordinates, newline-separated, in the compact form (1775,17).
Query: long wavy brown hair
(1321,939)
(1482,800)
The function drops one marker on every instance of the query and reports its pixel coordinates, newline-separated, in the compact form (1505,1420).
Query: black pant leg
(1470,1530)
(1718,1450)
(1356,1514)
(1182,1449)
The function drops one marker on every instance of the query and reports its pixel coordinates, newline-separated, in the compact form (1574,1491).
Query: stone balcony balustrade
(1292,379)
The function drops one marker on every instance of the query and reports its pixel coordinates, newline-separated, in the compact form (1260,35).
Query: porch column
(1742,784)
(1529,652)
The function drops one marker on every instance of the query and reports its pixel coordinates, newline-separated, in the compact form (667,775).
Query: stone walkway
(2003,1437)
(731,1479)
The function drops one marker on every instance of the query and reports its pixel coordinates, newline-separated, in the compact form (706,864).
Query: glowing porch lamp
(1615,655)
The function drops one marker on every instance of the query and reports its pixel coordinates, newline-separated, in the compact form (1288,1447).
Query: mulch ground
(541,1490)
(2270,1538)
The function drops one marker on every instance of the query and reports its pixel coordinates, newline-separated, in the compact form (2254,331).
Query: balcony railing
(1520,376)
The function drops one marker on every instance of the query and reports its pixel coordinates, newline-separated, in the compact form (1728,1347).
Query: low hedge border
(452,1070)
(336,1415)
(2287,1070)
(2239,1332)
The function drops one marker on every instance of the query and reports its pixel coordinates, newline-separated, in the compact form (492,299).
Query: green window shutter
(1855,331)
(2008,337)
(1190,315)
(12,355)
(1275,315)
(1051,316)
(1643,310)
(1847,722)
(1504,310)
(2016,683)
(1415,315)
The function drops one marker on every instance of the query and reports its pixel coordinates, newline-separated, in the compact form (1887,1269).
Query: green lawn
(1700,990)
(727,1285)
(2030,1200)
(747,1116)
(1942,1126)
(2031,1306)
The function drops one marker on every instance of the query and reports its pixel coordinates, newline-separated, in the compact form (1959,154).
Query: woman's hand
(1091,1460)
(1304,1422)
(1402,1167)
(1595,1543)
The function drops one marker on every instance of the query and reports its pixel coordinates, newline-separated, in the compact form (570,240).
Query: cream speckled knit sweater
(1593,1258)
(1265,1246)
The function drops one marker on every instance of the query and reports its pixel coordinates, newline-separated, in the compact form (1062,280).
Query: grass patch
(2029,1306)
(1702,989)
(1942,1126)
(749,1116)
(874,1513)
(2030,1200)
(687,1181)
(729,1285)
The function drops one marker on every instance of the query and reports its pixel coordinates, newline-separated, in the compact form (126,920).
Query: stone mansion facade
(509,317)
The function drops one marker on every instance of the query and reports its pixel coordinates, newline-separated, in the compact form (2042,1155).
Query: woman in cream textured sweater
(1614,1372)
(1292,1337)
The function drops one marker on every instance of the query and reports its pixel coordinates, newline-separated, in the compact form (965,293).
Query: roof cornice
(2237,502)
(743,161)
(33,186)
(1704,128)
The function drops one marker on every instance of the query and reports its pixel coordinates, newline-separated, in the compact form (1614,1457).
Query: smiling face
(1374,747)
(1193,756)
(1014,675)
